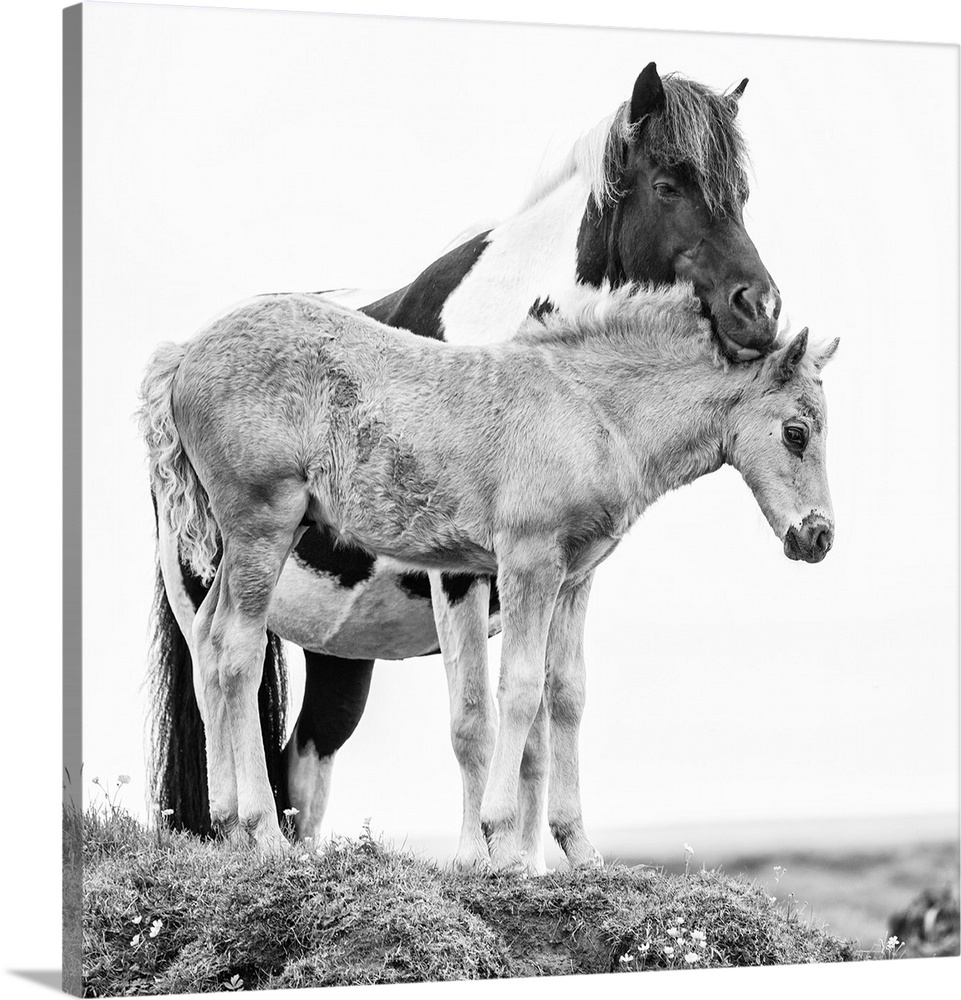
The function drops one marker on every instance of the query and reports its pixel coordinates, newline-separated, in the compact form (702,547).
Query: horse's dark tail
(178,757)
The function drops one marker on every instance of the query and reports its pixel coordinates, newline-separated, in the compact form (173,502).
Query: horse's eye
(795,437)
(666,190)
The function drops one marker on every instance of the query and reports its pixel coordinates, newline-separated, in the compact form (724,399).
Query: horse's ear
(786,361)
(735,95)
(826,353)
(648,96)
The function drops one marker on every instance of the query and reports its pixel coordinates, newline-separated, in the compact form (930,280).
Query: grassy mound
(167,913)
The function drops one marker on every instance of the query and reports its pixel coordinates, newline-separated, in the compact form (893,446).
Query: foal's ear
(648,96)
(825,354)
(786,360)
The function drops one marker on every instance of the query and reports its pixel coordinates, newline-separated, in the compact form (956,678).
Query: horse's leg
(532,791)
(335,694)
(565,693)
(462,630)
(230,635)
(529,579)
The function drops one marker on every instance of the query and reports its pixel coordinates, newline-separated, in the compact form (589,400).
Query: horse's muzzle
(747,325)
(812,541)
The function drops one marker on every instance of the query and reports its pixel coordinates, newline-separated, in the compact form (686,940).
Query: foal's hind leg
(462,631)
(230,633)
(221,779)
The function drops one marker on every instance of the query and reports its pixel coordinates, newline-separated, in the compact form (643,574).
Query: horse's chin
(743,344)
(734,350)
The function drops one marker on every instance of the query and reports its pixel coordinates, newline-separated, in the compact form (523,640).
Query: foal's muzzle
(812,541)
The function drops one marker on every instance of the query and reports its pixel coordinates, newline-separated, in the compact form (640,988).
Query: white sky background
(229,153)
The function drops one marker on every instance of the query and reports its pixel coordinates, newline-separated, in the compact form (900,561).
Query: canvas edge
(72,521)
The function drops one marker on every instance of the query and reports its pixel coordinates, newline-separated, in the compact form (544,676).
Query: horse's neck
(530,257)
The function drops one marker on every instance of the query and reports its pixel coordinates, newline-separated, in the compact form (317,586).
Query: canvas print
(471,587)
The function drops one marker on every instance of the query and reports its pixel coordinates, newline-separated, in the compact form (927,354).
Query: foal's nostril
(823,540)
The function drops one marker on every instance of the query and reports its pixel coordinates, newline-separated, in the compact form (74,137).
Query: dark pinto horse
(653,193)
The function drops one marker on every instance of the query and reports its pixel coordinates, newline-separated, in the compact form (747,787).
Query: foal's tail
(178,765)
(179,494)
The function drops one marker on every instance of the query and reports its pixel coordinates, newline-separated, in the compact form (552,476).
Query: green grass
(168,913)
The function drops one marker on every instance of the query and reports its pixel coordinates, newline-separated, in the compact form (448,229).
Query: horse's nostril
(743,303)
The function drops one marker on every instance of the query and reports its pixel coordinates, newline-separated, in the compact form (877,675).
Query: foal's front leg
(564,696)
(529,578)
(462,627)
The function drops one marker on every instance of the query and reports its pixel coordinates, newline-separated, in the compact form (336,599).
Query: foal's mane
(696,128)
(638,321)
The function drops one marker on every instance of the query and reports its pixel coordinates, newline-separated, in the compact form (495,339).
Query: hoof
(594,861)
(472,861)
(511,864)
(263,832)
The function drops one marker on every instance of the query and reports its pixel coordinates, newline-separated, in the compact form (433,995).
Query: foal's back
(409,446)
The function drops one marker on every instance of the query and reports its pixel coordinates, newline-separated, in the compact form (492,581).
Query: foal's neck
(673,418)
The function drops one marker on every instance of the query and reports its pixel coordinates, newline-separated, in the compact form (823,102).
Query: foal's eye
(795,437)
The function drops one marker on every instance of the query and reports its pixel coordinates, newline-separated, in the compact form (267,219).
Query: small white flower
(698,935)
(892,942)
(292,811)
(691,957)
(166,812)
(672,931)
(642,948)
(156,927)
(624,959)
(668,950)
(123,779)
(135,940)
(137,920)
(688,849)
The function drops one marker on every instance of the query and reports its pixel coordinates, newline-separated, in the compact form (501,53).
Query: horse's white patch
(769,304)
(492,302)
(308,784)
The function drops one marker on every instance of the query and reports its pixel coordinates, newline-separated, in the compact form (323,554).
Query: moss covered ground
(169,913)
